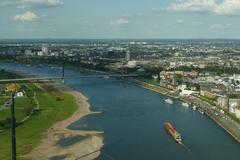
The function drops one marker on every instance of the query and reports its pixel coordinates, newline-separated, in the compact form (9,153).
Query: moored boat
(106,77)
(200,110)
(185,104)
(169,101)
(194,108)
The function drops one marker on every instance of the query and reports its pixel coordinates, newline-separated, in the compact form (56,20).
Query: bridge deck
(67,77)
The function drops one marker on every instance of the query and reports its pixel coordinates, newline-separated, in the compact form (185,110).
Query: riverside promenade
(158,89)
(225,122)
(228,124)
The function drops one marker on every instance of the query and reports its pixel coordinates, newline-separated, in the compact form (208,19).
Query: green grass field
(21,103)
(29,134)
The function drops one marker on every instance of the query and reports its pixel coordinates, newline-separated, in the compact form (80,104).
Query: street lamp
(63,68)
(13,127)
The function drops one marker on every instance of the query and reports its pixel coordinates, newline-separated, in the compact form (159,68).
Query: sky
(121,19)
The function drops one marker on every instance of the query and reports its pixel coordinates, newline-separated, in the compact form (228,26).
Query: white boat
(169,101)
(106,77)
(200,110)
(185,104)
(194,108)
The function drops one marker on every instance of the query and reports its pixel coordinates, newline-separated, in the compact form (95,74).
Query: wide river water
(132,119)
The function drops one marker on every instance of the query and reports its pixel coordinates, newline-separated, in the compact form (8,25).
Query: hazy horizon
(112,19)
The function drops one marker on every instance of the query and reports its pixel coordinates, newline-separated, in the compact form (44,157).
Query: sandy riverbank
(49,147)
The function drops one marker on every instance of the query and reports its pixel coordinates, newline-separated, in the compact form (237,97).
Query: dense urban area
(207,68)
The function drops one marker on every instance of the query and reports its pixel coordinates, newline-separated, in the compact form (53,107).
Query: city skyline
(110,19)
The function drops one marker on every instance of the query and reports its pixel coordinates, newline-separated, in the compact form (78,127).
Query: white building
(40,53)
(19,94)
(237,112)
(128,56)
(186,92)
(234,107)
(45,49)
(182,87)
(131,64)
(222,101)
(173,65)
(28,52)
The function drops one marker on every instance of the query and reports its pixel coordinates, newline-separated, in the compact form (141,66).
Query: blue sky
(119,19)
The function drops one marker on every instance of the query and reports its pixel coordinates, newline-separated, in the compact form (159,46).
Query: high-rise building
(128,56)
(45,49)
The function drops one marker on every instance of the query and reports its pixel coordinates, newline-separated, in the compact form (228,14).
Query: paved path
(231,126)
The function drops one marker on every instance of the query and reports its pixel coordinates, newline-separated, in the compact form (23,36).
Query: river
(132,119)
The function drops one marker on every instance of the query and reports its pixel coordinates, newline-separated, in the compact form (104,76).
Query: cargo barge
(173,132)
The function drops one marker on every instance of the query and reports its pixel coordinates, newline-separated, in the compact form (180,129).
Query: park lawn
(34,129)
(2,100)
(21,103)
(19,114)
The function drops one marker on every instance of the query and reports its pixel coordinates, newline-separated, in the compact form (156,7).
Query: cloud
(198,23)
(216,26)
(193,5)
(27,16)
(157,9)
(27,4)
(120,21)
(226,7)
(180,21)
(220,26)
(23,4)
(156,25)
(5,3)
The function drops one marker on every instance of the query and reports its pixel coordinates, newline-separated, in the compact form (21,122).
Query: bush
(5,122)
(58,98)
(28,111)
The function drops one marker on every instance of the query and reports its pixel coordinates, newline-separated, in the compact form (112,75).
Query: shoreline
(48,148)
(212,117)
(150,87)
(222,126)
